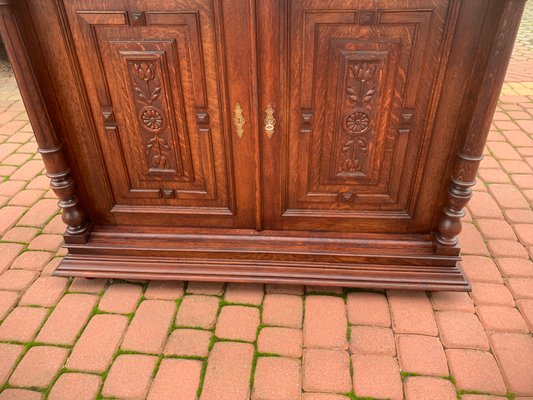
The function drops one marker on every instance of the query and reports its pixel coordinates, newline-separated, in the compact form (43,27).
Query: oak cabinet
(327,142)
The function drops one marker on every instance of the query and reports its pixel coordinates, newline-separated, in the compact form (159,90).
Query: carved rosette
(358,119)
(147,88)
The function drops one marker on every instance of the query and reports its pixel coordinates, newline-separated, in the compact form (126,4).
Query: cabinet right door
(354,99)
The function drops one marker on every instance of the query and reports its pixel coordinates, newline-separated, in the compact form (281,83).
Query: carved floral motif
(357,121)
(148,89)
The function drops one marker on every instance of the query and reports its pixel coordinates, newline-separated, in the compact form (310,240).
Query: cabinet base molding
(405,262)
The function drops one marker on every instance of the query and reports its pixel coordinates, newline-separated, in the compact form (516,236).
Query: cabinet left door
(155,73)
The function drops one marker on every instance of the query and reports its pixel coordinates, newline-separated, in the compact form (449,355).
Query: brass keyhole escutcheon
(270,121)
(239,120)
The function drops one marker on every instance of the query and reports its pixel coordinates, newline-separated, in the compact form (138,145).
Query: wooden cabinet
(290,141)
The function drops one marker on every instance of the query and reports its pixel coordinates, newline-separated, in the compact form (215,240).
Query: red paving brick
(491,294)
(148,329)
(38,367)
(9,216)
(84,285)
(498,318)
(20,394)
(368,309)
(45,292)
(422,355)
(8,300)
(100,339)
(452,301)
(412,313)
(8,253)
(285,342)
(427,388)
(372,340)
(238,322)
(208,288)
(9,354)
(526,308)
(75,386)
(325,324)
(481,269)
(198,312)
(475,370)
(521,288)
(120,298)
(22,324)
(507,248)
(516,267)
(283,310)
(129,376)
(164,290)
(377,376)
(188,342)
(39,214)
(514,353)
(277,378)
(326,370)
(176,379)
(32,260)
(227,376)
(245,293)
(461,330)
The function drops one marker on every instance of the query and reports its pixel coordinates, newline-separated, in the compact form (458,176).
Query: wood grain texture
(381,114)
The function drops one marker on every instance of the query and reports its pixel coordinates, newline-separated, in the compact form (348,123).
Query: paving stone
(324,290)
(55,226)
(148,329)
(297,290)
(283,310)
(9,354)
(198,312)
(516,267)
(176,379)
(452,301)
(26,198)
(32,260)
(188,342)
(526,308)
(471,241)
(8,253)
(481,269)
(84,285)
(8,300)
(507,248)
(326,370)
(325,324)
(9,216)
(100,339)
(10,188)
(372,340)
(482,205)
(515,216)
(482,397)
(38,367)
(207,288)
(45,291)
(493,175)
(461,330)
(368,309)
(227,376)
(238,322)
(245,293)
(491,294)
(277,378)
(504,151)
(499,318)
(16,279)
(20,394)
(50,268)
(285,342)
(67,319)
(22,324)
(412,313)
(164,290)
(514,353)
(376,376)
(525,233)
(46,242)
(75,386)
(521,288)
(523,181)
(426,388)
(40,213)
(120,298)
(129,376)
(508,196)
(422,355)
(323,396)
(20,234)
(475,370)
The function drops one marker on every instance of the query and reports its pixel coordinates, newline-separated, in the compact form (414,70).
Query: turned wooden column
(48,143)
(470,154)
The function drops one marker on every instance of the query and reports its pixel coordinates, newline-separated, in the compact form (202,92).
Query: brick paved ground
(91,339)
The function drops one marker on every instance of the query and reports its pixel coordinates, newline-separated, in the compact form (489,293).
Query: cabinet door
(353,98)
(155,73)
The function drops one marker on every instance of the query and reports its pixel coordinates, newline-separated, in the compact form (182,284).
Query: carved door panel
(154,73)
(353,114)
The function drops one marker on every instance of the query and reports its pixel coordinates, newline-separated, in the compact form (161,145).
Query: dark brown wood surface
(294,141)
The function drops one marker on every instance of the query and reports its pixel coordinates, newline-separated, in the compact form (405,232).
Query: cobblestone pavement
(91,339)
